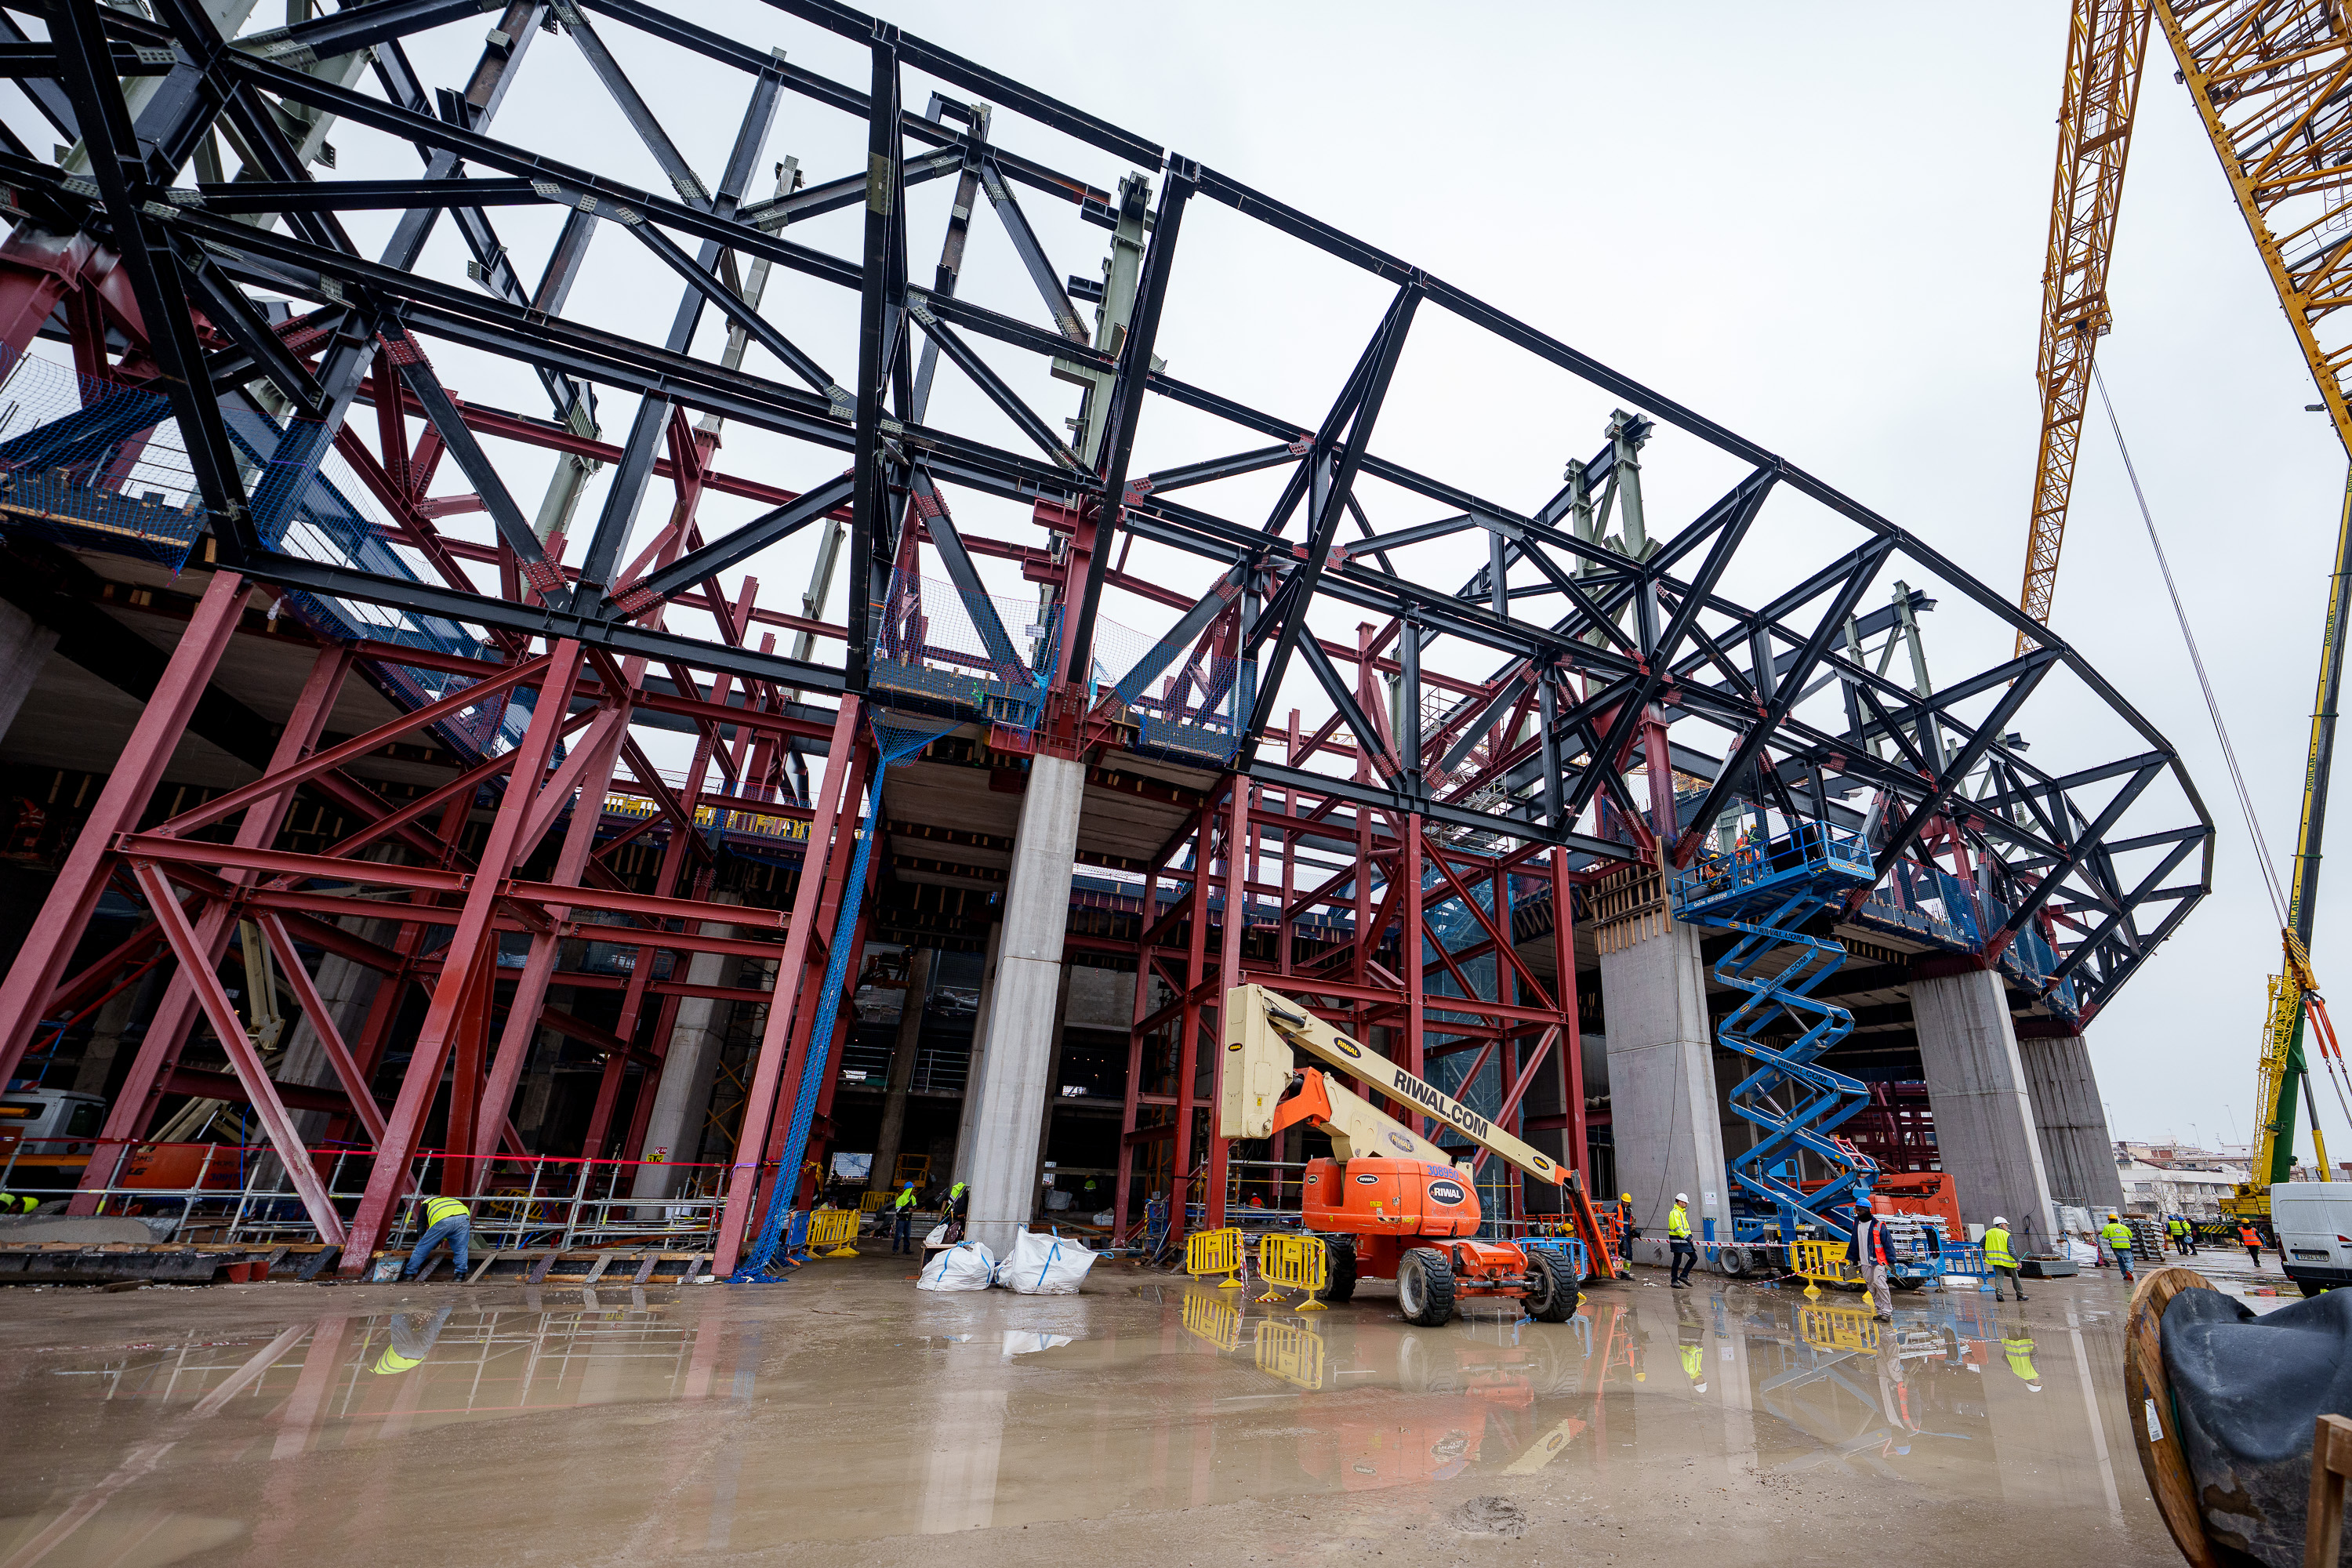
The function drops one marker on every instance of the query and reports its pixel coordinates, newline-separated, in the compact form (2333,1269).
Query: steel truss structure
(1586,701)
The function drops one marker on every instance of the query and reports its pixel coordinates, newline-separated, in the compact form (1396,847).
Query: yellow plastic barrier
(832,1230)
(1215,1252)
(1838,1327)
(1214,1319)
(1824,1263)
(871,1203)
(1291,1351)
(1293,1263)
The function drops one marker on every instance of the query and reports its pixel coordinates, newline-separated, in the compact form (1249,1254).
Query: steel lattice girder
(1642,639)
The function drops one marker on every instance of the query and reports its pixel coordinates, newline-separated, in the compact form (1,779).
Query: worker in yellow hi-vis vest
(1678,1243)
(2117,1236)
(2000,1260)
(446,1220)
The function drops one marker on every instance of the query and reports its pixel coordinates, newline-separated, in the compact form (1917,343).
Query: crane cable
(2197,659)
(2336,1071)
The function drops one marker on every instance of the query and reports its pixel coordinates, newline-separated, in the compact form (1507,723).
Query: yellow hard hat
(1627,1197)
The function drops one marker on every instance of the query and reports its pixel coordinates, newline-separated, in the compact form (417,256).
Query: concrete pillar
(2077,1155)
(347,988)
(24,646)
(682,1098)
(1017,1043)
(989,955)
(1985,1136)
(1664,1112)
(539,1089)
(1047,1113)
(903,1053)
(97,1062)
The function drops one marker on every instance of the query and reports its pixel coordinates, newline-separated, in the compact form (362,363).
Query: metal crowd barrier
(1293,1263)
(1823,1263)
(1215,1252)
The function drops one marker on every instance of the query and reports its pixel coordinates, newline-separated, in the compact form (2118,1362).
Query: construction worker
(902,1220)
(2119,1238)
(446,1220)
(12,1204)
(2176,1230)
(2000,1260)
(2251,1240)
(1869,1250)
(2020,1351)
(1678,1242)
(958,1204)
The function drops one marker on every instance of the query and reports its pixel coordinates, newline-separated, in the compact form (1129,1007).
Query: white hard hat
(2001,1219)
(1682,1197)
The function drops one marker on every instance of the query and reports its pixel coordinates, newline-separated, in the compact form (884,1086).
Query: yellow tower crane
(2271,81)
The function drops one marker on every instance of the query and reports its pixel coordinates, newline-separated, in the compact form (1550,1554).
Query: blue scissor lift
(1766,888)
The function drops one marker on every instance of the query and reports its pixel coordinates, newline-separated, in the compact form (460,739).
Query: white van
(2313,1221)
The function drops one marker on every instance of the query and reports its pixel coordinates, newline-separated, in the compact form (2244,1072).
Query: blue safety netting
(1189,703)
(92,462)
(899,737)
(943,651)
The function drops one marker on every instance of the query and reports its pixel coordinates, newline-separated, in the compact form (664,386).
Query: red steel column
(459,970)
(176,1015)
(64,913)
(246,1062)
(1409,951)
(1239,841)
(1563,935)
(768,1067)
(1188,1042)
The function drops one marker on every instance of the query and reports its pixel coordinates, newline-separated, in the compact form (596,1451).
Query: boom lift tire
(1343,1289)
(1552,1298)
(1424,1281)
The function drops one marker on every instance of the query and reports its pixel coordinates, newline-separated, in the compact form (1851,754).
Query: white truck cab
(2313,1221)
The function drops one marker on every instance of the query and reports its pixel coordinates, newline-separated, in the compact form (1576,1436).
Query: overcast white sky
(1822,226)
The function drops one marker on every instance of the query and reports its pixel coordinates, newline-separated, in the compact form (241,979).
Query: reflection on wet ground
(850,1408)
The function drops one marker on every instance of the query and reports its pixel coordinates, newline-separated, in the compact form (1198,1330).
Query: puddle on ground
(737,1420)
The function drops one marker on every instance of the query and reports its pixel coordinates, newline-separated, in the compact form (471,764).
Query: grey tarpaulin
(2245,1392)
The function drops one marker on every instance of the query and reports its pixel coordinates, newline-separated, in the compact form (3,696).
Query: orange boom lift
(1390,1202)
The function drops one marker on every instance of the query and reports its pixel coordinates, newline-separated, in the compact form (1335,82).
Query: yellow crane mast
(2105,42)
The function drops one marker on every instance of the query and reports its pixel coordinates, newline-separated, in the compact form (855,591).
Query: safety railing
(1293,1263)
(1850,1329)
(239,1193)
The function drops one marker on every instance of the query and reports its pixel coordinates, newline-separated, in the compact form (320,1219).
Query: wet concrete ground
(845,1417)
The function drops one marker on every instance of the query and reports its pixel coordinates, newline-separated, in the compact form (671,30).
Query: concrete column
(1664,1112)
(1985,1134)
(106,1039)
(989,955)
(1047,1113)
(347,988)
(2077,1155)
(24,646)
(903,1052)
(539,1089)
(682,1098)
(1016,1047)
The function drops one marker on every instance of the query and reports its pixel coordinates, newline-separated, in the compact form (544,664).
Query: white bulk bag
(1044,1266)
(967,1265)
